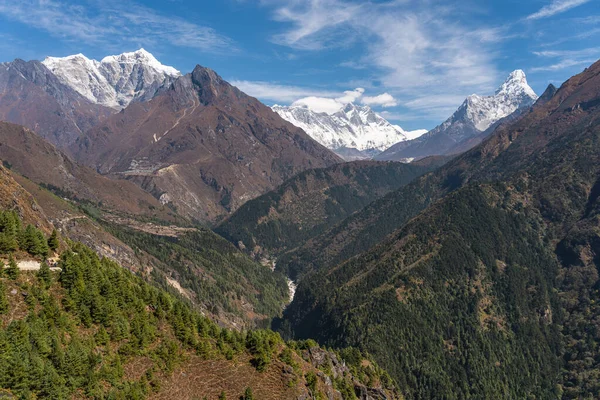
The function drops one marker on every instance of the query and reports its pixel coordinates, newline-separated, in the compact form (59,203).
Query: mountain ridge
(115,81)
(32,96)
(201,145)
(352,127)
(491,267)
(475,115)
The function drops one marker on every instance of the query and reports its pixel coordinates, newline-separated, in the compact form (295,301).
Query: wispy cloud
(111,23)
(411,47)
(563,59)
(281,93)
(556,7)
(563,65)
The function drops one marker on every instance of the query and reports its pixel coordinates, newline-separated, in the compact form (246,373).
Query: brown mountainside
(202,145)
(32,96)
(31,156)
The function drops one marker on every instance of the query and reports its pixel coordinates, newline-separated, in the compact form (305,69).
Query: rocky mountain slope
(115,81)
(114,217)
(496,274)
(32,96)
(474,117)
(351,128)
(311,202)
(33,157)
(202,146)
(93,329)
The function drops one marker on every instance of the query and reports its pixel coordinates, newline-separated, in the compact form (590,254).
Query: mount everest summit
(353,132)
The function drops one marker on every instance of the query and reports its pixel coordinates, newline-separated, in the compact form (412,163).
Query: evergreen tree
(248,394)
(3,299)
(13,269)
(44,274)
(53,242)
(9,228)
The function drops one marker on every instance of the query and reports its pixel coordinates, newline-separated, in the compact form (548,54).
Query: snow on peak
(513,94)
(141,56)
(352,127)
(116,80)
(516,84)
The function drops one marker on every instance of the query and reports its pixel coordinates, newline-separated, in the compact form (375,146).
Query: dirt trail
(185,113)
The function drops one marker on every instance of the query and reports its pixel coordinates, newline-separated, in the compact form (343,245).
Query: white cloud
(319,104)
(111,24)
(281,93)
(318,100)
(384,100)
(410,47)
(330,105)
(350,96)
(563,59)
(556,7)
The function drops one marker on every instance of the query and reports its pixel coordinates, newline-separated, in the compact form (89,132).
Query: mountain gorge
(353,132)
(90,328)
(306,205)
(490,264)
(183,218)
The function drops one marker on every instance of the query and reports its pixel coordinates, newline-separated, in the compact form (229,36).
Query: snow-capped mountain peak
(115,81)
(513,94)
(352,127)
(141,56)
(470,123)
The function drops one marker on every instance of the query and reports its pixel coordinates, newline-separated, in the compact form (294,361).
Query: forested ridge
(220,277)
(309,203)
(491,290)
(94,330)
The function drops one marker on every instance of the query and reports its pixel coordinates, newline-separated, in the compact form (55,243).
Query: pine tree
(3,299)
(44,274)
(13,269)
(9,227)
(53,241)
(248,394)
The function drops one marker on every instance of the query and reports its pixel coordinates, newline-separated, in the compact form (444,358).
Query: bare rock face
(202,144)
(32,96)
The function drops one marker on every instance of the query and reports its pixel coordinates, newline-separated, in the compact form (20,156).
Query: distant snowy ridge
(469,124)
(115,81)
(352,127)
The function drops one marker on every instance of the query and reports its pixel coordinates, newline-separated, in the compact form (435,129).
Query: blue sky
(414,60)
